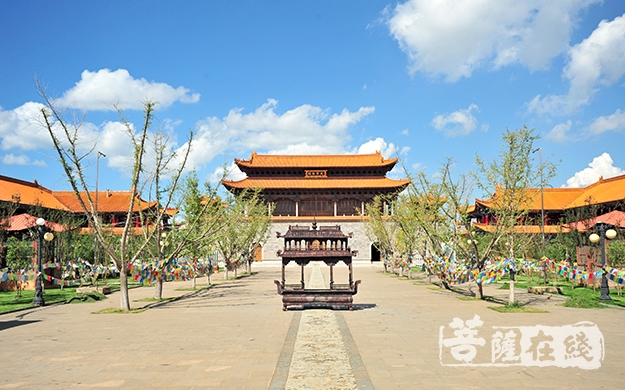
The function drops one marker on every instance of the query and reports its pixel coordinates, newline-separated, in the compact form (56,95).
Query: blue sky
(421,80)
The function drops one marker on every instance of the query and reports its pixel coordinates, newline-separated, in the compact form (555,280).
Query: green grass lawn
(580,296)
(8,300)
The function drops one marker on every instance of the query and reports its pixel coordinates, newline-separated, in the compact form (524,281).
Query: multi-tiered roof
(320,185)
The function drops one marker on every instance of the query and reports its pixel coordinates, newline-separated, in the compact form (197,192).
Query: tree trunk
(226,272)
(480,291)
(123,288)
(511,299)
(194,281)
(235,272)
(158,287)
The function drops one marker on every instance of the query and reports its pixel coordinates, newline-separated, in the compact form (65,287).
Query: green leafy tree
(514,181)
(7,209)
(439,207)
(616,253)
(19,256)
(246,224)
(383,231)
(203,217)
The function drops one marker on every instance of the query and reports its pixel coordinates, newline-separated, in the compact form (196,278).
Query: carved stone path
(320,358)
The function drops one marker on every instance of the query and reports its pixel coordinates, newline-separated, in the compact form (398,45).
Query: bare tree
(67,141)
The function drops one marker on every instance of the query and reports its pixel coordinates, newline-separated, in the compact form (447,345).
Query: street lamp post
(41,236)
(594,238)
(542,200)
(95,237)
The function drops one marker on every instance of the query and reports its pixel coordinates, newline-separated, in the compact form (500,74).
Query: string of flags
(454,272)
(79,272)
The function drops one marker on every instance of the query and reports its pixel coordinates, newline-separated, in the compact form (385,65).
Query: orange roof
(27,221)
(315,161)
(317,183)
(614,218)
(603,191)
(28,193)
(554,198)
(108,201)
(531,229)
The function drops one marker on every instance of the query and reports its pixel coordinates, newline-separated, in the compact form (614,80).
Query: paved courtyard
(236,336)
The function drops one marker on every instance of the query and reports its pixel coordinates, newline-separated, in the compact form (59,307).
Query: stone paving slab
(232,336)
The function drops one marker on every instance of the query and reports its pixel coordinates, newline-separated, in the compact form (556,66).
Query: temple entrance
(375,253)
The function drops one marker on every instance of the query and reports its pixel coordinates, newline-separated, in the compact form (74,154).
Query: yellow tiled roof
(34,194)
(554,198)
(108,201)
(315,161)
(28,193)
(603,191)
(529,229)
(322,183)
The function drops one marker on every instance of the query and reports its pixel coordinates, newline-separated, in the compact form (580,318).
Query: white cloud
(378,145)
(232,173)
(614,122)
(454,38)
(114,142)
(11,159)
(302,130)
(596,61)
(560,132)
(600,166)
(22,128)
(461,122)
(104,88)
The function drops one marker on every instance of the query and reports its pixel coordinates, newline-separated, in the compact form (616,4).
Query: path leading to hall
(323,354)
(236,336)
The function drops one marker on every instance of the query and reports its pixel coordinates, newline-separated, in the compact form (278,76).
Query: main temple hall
(328,189)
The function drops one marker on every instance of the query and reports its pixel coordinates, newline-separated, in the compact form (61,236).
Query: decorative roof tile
(315,161)
(315,183)
(33,194)
(526,229)
(603,191)
(108,201)
(28,193)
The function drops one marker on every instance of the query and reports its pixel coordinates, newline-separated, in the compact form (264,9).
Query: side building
(328,189)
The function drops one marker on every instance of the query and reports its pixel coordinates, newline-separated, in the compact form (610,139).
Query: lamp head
(610,234)
(594,238)
(41,221)
(48,236)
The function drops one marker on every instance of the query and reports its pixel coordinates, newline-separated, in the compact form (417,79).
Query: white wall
(359,242)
